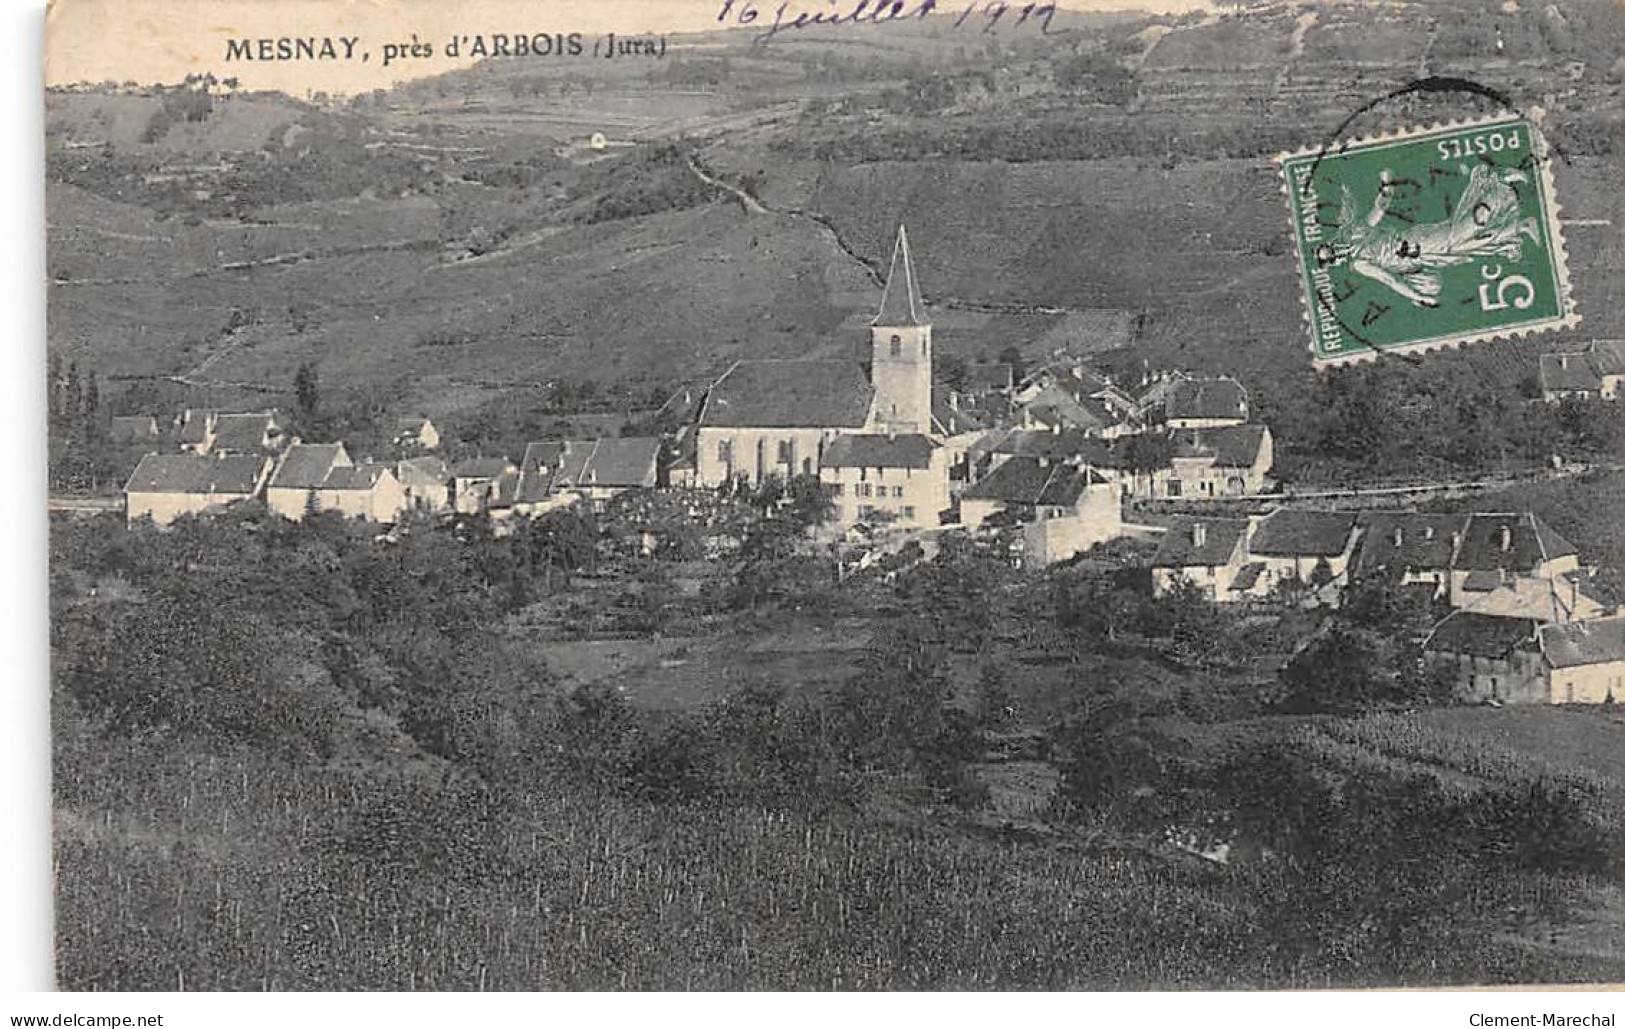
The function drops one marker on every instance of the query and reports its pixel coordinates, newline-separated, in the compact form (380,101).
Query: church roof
(900,303)
(775,394)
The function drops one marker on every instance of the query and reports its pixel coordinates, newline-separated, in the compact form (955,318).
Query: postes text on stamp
(1428,238)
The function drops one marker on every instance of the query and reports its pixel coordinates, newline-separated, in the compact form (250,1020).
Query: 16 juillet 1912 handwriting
(988,15)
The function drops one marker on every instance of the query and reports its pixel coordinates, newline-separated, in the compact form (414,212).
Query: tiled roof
(1516,541)
(306,465)
(1207,398)
(1401,540)
(900,303)
(1230,446)
(631,461)
(1480,635)
(1287,533)
(1030,480)
(1591,642)
(480,467)
(243,432)
(1570,371)
(194,426)
(544,454)
(422,472)
(952,420)
(1070,445)
(790,394)
(1179,547)
(196,473)
(355,477)
(876,450)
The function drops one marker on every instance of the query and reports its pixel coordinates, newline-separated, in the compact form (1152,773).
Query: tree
(306,389)
(1340,671)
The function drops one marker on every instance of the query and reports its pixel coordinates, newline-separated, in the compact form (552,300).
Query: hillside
(456,233)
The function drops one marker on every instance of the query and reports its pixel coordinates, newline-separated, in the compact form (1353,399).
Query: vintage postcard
(807,495)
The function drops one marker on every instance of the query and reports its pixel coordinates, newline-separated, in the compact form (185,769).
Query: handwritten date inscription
(790,14)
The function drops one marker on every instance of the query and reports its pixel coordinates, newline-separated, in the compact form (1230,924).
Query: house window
(725,451)
(786,451)
(897,346)
(897,491)
(1175,488)
(908,511)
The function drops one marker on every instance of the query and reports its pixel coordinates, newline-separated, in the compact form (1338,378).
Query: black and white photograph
(836,495)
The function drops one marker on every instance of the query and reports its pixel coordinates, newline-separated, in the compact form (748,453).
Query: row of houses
(1526,622)
(311,478)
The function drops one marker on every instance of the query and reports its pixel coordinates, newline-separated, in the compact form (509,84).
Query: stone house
(1300,549)
(416,432)
(426,482)
(1206,552)
(1083,505)
(164,487)
(1204,403)
(299,476)
(1416,549)
(366,491)
(1517,566)
(902,479)
(1228,461)
(474,482)
(1492,659)
(1586,374)
(1585,660)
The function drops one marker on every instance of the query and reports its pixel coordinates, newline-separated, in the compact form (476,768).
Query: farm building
(164,487)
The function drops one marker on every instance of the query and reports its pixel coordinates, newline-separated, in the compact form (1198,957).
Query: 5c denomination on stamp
(1428,238)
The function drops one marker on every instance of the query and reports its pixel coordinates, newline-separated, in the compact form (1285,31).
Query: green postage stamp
(1428,238)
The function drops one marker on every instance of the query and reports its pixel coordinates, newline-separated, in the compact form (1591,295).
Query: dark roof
(1610,356)
(1247,576)
(196,473)
(132,427)
(1302,534)
(412,422)
(875,450)
(243,432)
(194,426)
(790,394)
(1070,445)
(1480,635)
(506,488)
(418,472)
(1528,542)
(1031,480)
(544,454)
(1179,548)
(1207,398)
(900,302)
(1406,540)
(360,476)
(1570,371)
(305,465)
(1230,446)
(612,461)
(480,467)
(1591,642)
(952,420)
(1482,580)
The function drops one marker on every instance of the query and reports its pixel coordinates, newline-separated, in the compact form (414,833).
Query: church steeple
(900,341)
(900,303)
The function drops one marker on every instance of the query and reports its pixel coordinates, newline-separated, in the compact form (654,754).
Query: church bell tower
(901,340)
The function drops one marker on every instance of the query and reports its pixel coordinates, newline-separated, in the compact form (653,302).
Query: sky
(164,40)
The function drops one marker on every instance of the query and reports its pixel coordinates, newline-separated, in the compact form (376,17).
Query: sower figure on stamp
(1484,224)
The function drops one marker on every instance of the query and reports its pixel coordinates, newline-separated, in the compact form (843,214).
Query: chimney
(1427,533)
(1198,534)
(1399,536)
(1506,538)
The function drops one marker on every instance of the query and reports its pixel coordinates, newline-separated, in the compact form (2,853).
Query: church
(869,435)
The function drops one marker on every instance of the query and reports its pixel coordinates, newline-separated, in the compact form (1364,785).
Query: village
(1047,464)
